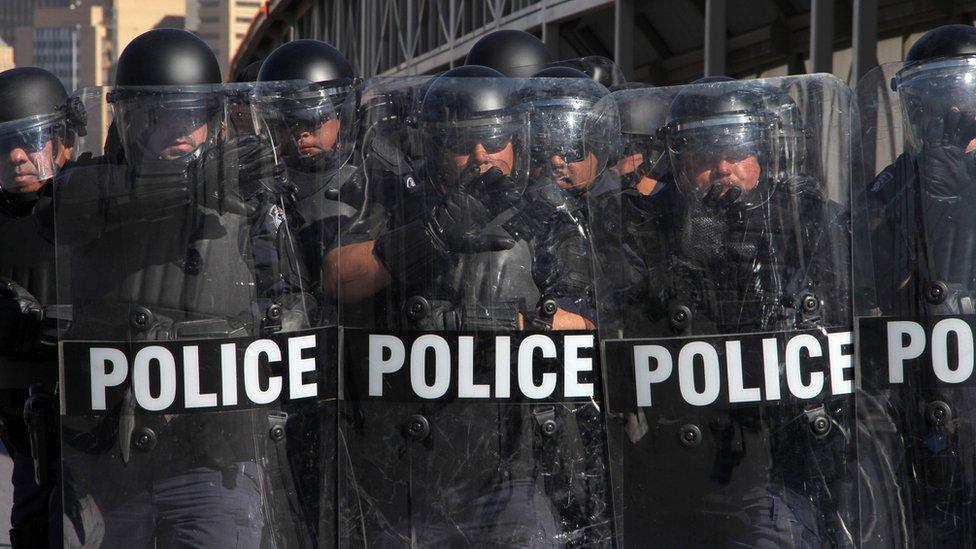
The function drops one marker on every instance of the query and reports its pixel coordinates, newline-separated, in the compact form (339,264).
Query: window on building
(209,19)
(245,20)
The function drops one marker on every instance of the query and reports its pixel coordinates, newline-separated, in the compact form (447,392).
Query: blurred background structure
(656,41)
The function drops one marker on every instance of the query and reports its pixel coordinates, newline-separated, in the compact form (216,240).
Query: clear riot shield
(469,406)
(723,307)
(914,305)
(198,355)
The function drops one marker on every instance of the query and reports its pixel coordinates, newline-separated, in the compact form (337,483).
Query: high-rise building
(222,24)
(6,56)
(80,40)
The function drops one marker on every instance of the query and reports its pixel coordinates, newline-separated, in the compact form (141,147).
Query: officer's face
(20,168)
(629,164)
(735,172)
(574,175)
(313,142)
(502,158)
(174,139)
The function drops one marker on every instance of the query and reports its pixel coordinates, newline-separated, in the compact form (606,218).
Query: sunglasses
(569,152)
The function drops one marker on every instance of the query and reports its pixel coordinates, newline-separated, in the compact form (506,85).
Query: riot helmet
(596,67)
(730,137)
(937,88)
(466,120)
(38,124)
(163,100)
(573,126)
(321,118)
(514,53)
(642,152)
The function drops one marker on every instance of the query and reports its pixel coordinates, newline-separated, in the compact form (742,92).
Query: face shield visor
(302,123)
(482,143)
(570,141)
(29,149)
(166,124)
(939,101)
(720,155)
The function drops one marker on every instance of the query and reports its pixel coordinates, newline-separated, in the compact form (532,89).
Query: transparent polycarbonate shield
(913,227)
(197,373)
(723,294)
(469,407)
(597,67)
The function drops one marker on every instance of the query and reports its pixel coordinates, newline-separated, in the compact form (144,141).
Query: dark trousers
(199,507)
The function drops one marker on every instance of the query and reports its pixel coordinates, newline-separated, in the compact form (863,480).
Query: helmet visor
(28,151)
(931,92)
(728,154)
(167,126)
(302,123)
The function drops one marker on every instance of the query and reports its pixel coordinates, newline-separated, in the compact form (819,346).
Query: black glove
(457,224)
(460,220)
(946,169)
(535,208)
(20,318)
(230,172)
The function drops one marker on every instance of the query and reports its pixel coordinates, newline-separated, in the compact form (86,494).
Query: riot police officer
(182,241)
(449,472)
(317,126)
(744,241)
(913,234)
(514,53)
(642,162)
(38,127)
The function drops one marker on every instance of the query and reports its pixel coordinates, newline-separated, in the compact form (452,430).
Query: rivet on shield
(936,292)
(144,439)
(549,307)
(820,425)
(810,303)
(680,317)
(549,427)
(140,318)
(938,413)
(690,435)
(417,427)
(277,433)
(417,308)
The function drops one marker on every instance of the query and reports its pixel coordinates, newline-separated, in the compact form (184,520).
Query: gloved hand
(460,220)
(20,318)
(946,169)
(456,224)
(227,174)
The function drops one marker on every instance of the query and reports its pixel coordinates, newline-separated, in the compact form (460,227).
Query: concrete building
(657,41)
(223,24)
(79,41)
(6,56)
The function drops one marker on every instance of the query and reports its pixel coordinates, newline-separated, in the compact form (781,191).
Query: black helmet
(642,115)
(944,41)
(734,120)
(166,57)
(597,68)
(165,77)
(514,53)
(570,117)
(939,77)
(468,106)
(309,60)
(34,111)
(330,96)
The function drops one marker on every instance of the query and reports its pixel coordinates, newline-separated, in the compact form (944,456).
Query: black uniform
(914,240)
(465,261)
(684,262)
